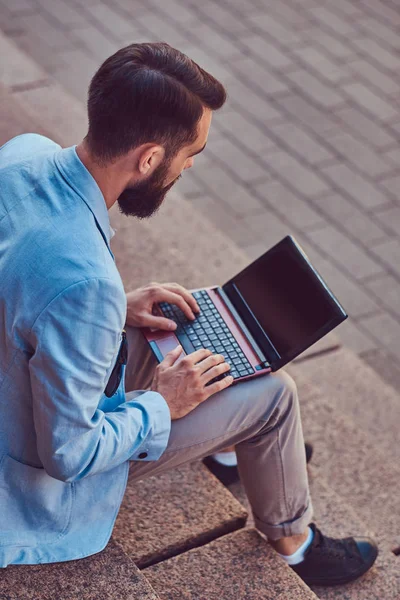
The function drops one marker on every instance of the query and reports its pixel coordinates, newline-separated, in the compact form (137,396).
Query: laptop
(261,319)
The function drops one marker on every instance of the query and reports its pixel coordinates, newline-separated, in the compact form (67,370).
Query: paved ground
(307,143)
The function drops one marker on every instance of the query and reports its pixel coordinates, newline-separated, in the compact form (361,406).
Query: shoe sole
(341,580)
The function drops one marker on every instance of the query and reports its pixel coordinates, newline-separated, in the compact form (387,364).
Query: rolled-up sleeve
(75,339)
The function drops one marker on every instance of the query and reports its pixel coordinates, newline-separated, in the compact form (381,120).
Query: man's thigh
(141,362)
(226,418)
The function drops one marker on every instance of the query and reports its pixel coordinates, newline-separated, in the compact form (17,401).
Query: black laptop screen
(286,297)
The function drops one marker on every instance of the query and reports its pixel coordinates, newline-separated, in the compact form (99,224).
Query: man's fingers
(186,295)
(193,357)
(218,386)
(199,355)
(167,295)
(211,361)
(161,323)
(215,371)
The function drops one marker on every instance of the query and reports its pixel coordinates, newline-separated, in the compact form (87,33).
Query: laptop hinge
(263,359)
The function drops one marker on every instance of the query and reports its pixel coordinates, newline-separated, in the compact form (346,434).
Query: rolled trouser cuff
(295,527)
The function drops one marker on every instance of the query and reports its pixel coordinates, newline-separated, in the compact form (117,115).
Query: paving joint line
(31,85)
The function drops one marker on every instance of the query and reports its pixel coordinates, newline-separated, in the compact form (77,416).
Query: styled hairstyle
(148,92)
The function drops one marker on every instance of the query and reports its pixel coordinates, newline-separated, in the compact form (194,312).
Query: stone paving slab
(239,565)
(109,575)
(169,513)
(13,121)
(66,119)
(18,69)
(33,102)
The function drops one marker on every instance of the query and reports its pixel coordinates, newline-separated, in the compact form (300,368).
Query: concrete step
(168,514)
(237,566)
(109,575)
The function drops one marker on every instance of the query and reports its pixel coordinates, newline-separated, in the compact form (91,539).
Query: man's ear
(150,156)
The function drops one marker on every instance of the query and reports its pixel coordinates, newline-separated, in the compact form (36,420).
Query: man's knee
(272,394)
(285,383)
(285,393)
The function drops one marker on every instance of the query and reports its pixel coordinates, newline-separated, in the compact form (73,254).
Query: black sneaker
(330,562)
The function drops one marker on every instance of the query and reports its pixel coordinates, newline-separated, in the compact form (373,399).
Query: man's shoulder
(102,299)
(24,146)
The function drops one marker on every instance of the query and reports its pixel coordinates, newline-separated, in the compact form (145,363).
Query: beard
(143,199)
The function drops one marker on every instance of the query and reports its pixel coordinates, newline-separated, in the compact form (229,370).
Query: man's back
(63,308)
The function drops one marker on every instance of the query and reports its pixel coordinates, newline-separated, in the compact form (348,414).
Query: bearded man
(74,417)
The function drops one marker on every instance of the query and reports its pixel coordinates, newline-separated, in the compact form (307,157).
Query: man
(73,417)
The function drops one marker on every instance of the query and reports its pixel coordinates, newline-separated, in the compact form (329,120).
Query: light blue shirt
(65,446)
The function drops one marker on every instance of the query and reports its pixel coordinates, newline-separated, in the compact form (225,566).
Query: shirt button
(143,455)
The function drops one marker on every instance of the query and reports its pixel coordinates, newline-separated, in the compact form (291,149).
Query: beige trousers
(261,418)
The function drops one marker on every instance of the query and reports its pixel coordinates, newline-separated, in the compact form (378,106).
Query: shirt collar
(84,184)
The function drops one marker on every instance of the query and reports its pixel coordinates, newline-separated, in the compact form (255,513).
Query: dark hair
(148,92)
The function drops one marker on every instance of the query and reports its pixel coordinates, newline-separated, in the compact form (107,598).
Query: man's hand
(182,382)
(141,305)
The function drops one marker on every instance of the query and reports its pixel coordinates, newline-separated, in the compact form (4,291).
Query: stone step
(109,575)
(237,566)
(189,235)
(355,464)
(183,246)
(353,451)
(142,258)
(338,519)
(356,390)
(168,514)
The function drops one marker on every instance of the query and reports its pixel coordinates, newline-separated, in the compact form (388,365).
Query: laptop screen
(286,296)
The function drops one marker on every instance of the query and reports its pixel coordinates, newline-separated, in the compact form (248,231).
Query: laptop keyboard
(210,331)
